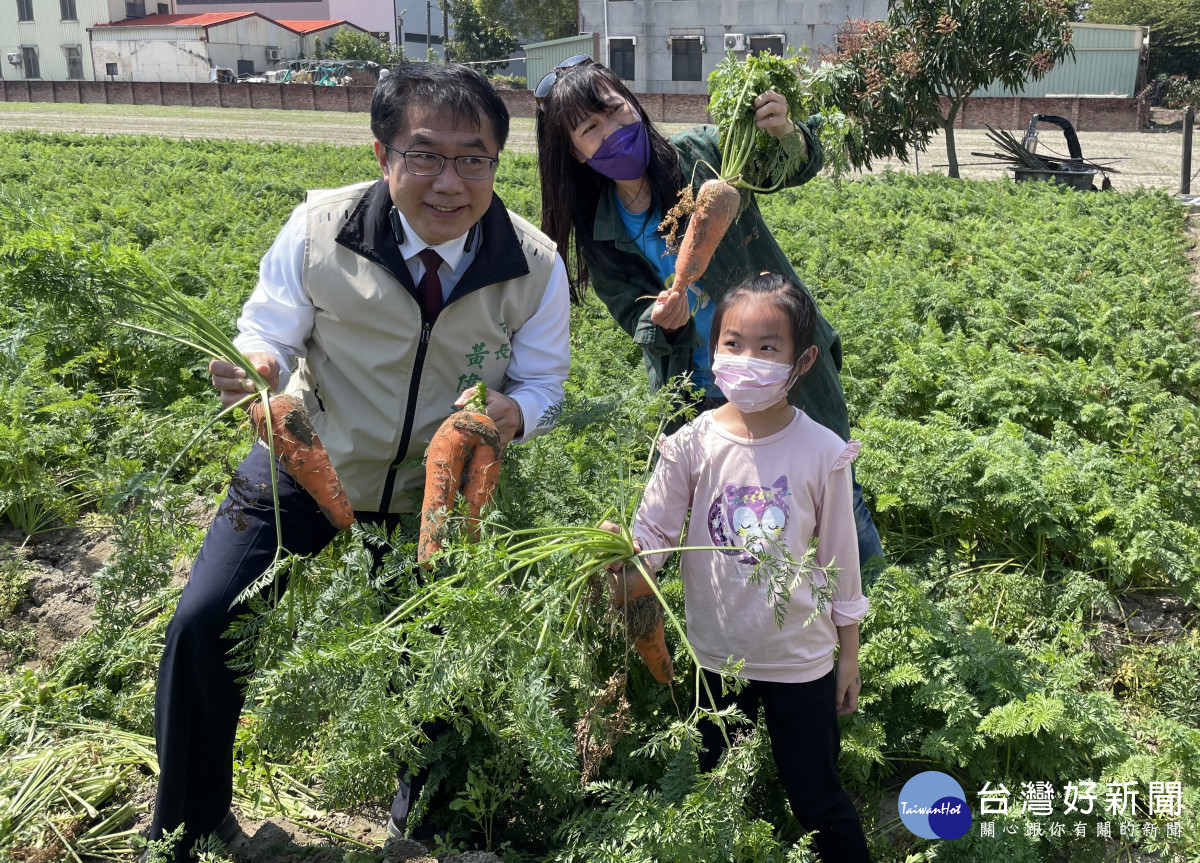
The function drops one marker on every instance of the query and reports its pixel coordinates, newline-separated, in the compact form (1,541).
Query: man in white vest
(380,305)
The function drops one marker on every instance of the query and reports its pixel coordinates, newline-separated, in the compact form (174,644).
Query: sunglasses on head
(547,83)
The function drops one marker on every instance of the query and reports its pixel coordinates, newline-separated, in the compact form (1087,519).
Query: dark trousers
(805,739)
(198,699)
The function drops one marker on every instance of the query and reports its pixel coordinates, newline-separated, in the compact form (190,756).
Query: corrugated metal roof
(314,26)
(203,19)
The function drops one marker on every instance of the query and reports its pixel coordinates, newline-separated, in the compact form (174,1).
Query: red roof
(203,19)
(313,26)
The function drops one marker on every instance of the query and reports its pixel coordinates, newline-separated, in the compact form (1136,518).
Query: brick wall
(1087,114)
(147,93)
(93,92)
(66,91)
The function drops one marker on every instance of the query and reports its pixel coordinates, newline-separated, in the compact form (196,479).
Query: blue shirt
(643,230)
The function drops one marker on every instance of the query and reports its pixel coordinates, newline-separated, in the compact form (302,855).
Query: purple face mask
(625,154)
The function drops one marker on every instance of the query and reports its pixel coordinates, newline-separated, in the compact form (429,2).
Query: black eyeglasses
(547,83)
(431,164)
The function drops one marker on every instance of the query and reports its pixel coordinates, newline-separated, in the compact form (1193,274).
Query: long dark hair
(571,190)
(788,297)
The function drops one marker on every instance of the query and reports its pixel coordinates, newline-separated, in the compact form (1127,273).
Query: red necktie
(430,289)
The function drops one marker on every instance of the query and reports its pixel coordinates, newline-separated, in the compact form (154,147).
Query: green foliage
(1174,39)
(478,37)
(349,44)
(14,579)
(1180,92)
(1020,363)
(896,71)
(533,20)
(1022,388)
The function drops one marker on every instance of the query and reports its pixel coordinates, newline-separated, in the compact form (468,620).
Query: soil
(57,608)
(59,599)
(1151,158)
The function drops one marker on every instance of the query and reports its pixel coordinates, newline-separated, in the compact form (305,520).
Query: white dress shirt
(278,317)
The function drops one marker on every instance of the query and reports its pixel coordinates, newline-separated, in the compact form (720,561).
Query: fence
(1086,113)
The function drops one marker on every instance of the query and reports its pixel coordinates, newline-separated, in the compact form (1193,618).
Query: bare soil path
(1143,159)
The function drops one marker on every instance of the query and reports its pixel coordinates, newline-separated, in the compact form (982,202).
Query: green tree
(534,20)
(933,54)
(478,37)
(350,44)
(1174,30)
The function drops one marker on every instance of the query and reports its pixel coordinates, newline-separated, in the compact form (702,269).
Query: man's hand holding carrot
(504,412)
(233,382)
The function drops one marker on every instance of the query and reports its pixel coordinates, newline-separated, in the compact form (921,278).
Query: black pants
(198,699)
(805,739)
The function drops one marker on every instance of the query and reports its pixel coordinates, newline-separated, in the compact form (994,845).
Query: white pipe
(607,61)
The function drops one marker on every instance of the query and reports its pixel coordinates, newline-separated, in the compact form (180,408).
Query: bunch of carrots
(749,161)
(279,420)
(463,458)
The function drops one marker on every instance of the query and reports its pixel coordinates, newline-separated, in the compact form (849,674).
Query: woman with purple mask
(608,177)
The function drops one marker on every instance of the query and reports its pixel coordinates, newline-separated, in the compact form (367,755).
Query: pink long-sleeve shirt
(749,496)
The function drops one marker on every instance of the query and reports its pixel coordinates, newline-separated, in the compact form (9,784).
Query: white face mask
(749,383)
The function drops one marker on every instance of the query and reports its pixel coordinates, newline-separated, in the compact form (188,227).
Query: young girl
(759,476)
(608,176)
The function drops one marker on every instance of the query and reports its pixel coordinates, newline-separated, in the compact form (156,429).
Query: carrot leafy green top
(750,157)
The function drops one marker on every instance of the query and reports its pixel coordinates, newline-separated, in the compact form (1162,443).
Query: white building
(311,31)
(187,48)
(671,46)
(48,39)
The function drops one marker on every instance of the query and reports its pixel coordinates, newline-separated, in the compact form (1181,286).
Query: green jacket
(622,275)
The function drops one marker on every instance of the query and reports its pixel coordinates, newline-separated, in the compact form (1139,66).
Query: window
(135,8)
(74,61)
(761,44)
(110,69)
(245,67)
(620,58)
(24,10)
(164,9)
(29,60)
(685,59)
(67,10)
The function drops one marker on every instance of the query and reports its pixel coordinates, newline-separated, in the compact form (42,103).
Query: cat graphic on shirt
(748,519)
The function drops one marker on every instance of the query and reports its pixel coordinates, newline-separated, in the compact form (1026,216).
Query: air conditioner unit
(272,53)
(14,57)
(735,41)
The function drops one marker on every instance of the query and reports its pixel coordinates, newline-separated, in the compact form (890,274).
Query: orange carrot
(647,632)
(463,456)
(716,207)
(303,455)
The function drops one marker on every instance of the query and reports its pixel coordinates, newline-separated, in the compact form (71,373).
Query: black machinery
(1072,170)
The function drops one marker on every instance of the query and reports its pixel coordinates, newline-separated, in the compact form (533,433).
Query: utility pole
(428,29)
(1185,183)
(445,28)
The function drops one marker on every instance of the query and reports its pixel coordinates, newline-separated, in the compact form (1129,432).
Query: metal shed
(1107,63)
(541,57)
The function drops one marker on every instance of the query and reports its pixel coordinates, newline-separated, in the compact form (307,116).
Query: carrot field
(1022,366)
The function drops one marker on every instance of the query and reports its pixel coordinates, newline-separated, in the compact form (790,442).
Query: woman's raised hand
(771,114)
(670,310)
